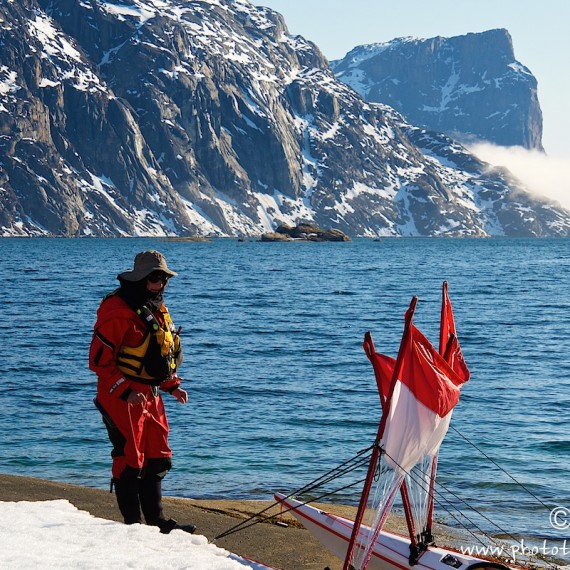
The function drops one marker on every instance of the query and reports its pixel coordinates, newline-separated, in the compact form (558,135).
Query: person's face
(156,281)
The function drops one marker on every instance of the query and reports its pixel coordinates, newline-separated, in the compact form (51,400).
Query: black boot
(150,494)
(127,491)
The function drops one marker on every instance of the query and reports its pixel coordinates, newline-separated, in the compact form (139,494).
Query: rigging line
(358,461)
(243,525)
(421,483)
(501,468)
(325,478)
(330,475)
(303,490)
(327,494)
(462,524)
(505,552)
(477,511)
(333,474)
(491,539)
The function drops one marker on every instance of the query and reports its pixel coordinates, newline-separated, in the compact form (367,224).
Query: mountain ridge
(209,118)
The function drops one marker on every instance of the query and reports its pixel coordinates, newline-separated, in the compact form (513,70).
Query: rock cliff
(470,87)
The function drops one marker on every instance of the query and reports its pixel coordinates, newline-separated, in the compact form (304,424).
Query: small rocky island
(304,232)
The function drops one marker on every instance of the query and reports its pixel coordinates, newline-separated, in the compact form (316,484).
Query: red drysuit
(138,432)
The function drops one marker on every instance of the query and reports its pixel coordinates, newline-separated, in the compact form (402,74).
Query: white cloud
(543,175)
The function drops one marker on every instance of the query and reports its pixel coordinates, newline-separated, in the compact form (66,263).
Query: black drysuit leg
(150,494)
(127,492)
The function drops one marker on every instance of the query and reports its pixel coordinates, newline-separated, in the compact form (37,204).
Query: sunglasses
(157,276)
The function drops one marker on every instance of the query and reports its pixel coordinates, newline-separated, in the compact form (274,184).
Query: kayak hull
(391,551)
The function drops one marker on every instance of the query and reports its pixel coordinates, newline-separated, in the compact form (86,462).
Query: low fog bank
(543,174)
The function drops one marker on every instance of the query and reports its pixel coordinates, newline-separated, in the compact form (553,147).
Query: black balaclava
(136,294)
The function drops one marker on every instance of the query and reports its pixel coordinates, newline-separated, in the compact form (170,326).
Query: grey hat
(145,263)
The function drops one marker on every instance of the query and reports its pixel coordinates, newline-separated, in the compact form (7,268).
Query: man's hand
(181,395)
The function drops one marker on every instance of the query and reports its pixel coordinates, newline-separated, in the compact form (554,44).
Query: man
(135,352)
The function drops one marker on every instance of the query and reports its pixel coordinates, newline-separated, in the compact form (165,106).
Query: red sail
(448,343)
(428,376)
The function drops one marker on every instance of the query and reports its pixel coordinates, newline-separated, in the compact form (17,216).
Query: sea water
(280,388)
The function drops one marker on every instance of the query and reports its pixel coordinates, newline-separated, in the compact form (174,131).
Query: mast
(445,342)
(376,449)
(448,347)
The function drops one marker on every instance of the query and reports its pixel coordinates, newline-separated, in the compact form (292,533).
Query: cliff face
(470,87)
(74,160)
(207,118)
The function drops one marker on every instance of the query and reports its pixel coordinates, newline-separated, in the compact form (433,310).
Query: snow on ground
(55,535)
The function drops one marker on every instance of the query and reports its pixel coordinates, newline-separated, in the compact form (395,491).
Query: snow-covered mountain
(185,117)
(470,87)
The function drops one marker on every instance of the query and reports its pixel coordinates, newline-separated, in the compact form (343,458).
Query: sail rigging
(418,391)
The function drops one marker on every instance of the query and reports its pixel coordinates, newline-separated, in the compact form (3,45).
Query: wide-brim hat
(145,263)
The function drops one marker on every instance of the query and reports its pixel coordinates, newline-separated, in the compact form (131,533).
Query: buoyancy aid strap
(128,366)
(162,331)
(147,381)
(125,355)
(130,359)
(148,318)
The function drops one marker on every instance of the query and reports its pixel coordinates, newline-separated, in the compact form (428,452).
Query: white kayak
(391,550)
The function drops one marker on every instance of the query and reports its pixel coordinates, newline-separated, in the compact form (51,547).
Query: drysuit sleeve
(170,384)
(108,337)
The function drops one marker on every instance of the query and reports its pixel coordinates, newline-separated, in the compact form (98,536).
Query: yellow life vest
(159,354)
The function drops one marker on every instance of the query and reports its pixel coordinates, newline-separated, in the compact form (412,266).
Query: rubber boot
(127,492)
(150,494)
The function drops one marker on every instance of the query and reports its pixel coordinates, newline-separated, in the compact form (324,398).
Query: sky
(55,535)
(541,38)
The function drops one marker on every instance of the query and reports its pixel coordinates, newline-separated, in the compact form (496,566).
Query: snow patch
(56,535)
(8,81)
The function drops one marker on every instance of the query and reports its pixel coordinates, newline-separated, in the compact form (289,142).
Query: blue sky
(540,32)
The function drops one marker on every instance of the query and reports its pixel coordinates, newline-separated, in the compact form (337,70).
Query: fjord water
(280,389)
